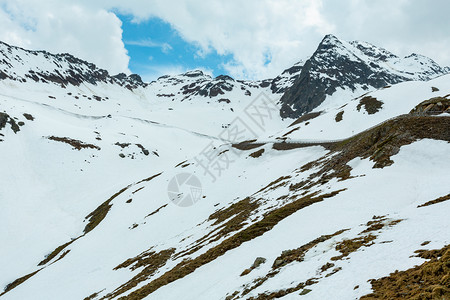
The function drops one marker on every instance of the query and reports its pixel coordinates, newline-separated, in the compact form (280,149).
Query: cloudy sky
(246,39)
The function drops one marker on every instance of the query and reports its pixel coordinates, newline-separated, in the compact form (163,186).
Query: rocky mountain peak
(351,65)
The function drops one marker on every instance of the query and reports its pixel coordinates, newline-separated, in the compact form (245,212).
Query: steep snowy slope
(338,120)
(307,196)
(94,206)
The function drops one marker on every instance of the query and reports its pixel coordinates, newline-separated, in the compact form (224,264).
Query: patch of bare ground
(156,211)
(291,131)
(29,117)
(258,261)
(281,293)
(143,150)
(5,118)
(138,190)
(348,246)
(257,154)
(378,223)
(289,146)
(97,216)
(184,161)
(122,145)
(76,144)
(149,261)
(148,178)
(306,117)
(227,220)
(18,282)
(187,266)
(338,117)
(93,296)
(247,145)
(366,238)
(378,144)
(284,259)
(431,280)
(298,254)
(55,252)
(371,105)
(435,201)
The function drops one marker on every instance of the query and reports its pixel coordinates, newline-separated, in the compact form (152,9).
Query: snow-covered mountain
(193,187)
(22,65)
(352,66)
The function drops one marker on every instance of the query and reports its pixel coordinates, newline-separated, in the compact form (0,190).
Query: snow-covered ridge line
(22,65)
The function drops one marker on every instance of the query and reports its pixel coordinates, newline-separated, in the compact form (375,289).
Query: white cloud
(165,47)
(251,31)
(401,26)
(60,26)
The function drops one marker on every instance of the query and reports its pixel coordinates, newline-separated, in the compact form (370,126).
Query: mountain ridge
(99,197)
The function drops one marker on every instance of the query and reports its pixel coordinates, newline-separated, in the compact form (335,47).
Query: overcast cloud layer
(264,36)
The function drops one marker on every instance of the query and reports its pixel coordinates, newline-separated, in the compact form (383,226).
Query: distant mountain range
(353,66)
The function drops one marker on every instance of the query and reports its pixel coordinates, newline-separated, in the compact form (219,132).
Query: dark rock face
(204,86)
(348,65)
(7,119)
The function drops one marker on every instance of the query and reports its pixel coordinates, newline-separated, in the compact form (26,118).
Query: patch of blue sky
(156,49)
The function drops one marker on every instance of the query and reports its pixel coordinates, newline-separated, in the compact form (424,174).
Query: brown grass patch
(188,266)
(149,178)
(257,154)
(150,261)
(385,140)
(338,117)
(291,131)
(138,190)
(298,254)
(18,282)
(431,280)
(100,212)
(371,105)
(247,145)
(55,252)
(282,293)
(235,216)
(306,117)
(156,211)
(348,246)
(438,200)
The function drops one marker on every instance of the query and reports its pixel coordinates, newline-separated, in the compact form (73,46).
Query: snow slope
(395,100)
(86,170)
